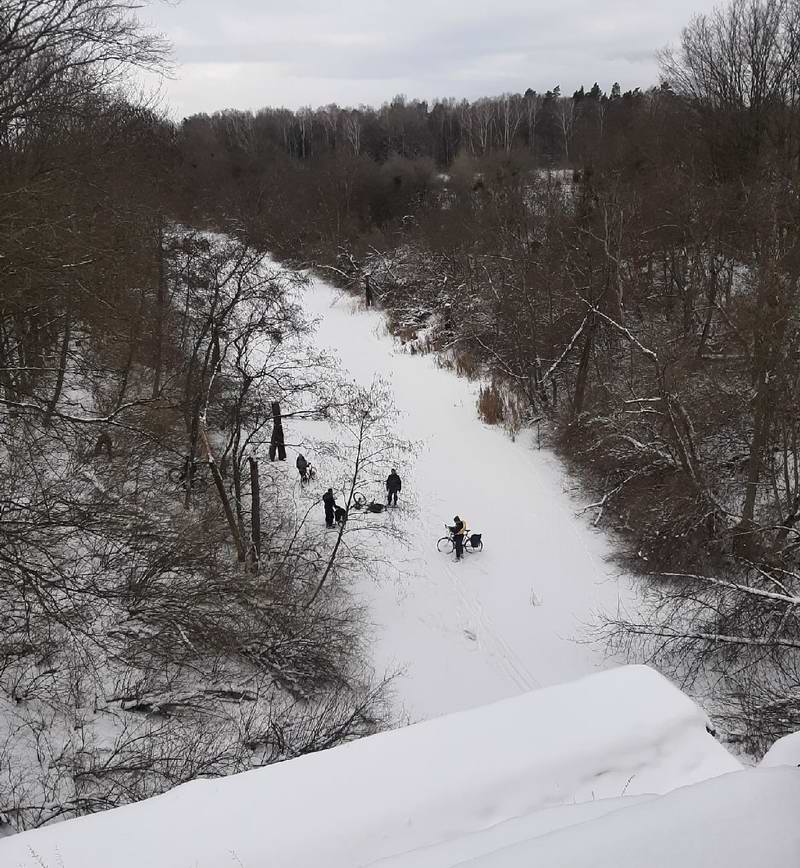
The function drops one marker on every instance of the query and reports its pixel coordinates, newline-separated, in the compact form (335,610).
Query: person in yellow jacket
(459,531)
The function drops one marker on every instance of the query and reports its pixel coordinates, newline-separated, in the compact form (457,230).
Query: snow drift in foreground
(627,731)
(742,820)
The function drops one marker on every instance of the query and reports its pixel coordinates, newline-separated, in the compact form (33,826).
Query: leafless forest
(622,265)
(170,609)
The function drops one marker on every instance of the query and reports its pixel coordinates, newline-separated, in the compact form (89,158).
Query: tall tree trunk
(237,478)
(255,512)
(712,300)
(223,496)
(771,309)
(583,368)
(62,364)
(761,429)
(161,311)
(194,433)
(354,479)
(276,446)
(132,344)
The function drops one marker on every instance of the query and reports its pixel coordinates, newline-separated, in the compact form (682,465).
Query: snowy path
(505,620)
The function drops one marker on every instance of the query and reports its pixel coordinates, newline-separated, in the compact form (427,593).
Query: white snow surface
(462,786)
(503,621)
(785,752)
(743,820)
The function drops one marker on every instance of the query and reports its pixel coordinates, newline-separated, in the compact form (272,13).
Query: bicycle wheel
(359,500)
(445,544)
(470,547)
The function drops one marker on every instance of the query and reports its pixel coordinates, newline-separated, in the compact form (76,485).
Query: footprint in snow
(473,637)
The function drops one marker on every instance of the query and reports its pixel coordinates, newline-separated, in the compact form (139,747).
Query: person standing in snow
(393,486)
(302,467)
(367,291)
(458,530)
(329,502)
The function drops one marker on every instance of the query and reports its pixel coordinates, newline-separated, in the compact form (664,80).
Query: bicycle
(360,503)
(472,543)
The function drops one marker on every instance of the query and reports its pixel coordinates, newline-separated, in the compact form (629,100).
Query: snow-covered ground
(614,769)
(741,820)
(445,791)
(510,618)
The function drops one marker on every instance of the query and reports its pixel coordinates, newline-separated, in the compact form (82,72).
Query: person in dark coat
(340,514)
(329,502)
(367,291)
(458,530)
(393,486)
(302,467)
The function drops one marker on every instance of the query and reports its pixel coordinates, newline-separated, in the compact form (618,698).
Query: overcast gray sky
(248,54)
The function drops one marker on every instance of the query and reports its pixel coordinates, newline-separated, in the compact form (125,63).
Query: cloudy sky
(253,53)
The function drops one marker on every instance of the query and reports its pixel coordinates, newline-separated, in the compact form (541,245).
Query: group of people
(335,514)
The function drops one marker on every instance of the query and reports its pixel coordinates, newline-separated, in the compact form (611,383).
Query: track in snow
(510,618)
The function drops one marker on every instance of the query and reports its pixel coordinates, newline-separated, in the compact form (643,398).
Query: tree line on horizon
(554,129)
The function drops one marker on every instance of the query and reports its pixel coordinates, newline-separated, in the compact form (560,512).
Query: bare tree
(352,130)
(746,631)
(511,113)
(54,52)
(364,446)
(738,67)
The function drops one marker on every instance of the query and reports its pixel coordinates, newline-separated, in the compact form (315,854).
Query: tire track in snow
(499,649)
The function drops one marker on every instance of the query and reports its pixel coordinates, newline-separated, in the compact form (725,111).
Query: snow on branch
(567,350)
(735,586)
(620,328)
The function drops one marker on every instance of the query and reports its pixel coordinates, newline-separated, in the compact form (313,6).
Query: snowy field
(510,618)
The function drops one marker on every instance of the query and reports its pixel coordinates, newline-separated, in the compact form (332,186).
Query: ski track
(506,620)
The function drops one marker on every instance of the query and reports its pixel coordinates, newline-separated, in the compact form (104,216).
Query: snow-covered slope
(467,784)
(455,851)
(785,752)
(743,820)
(504,621)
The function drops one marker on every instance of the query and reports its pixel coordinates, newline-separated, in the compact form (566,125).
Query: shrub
(491,406)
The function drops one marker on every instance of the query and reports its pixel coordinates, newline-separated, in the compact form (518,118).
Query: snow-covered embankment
(435,793)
